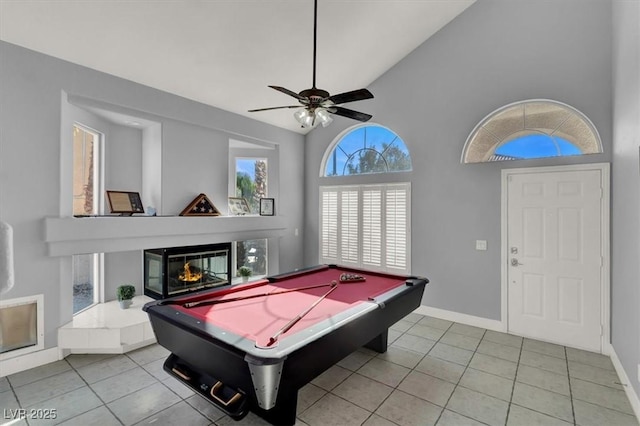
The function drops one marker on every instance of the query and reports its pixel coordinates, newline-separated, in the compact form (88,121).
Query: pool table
(251,347)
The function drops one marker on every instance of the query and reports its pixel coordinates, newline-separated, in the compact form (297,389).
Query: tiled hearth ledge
(106,328)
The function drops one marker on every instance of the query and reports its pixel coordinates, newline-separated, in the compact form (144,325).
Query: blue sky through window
(246,165)
(369,137)
(537,146)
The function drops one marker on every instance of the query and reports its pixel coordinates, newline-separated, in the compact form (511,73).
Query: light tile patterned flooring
(435,372)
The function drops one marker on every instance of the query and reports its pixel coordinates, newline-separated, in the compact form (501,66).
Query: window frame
(384,188)
(338,139)
(98,263)
(242,148)
(98,168)
(235,176)
(98,279)
(475,143)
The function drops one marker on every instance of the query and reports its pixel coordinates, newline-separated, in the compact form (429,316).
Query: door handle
(514,262)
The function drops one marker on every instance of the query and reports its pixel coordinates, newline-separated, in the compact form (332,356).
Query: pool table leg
(379,343)
(265,375)
(284,413)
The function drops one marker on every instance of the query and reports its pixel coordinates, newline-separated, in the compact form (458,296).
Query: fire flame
(189,276)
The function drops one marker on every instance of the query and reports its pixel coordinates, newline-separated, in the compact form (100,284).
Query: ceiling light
(323,116)
(306,117)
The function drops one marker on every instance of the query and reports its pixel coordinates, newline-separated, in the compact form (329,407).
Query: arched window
(366,225)
(531,129)
(368,148)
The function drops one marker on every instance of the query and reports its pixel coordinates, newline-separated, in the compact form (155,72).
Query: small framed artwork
(267,206)
(125,203)
(238,206)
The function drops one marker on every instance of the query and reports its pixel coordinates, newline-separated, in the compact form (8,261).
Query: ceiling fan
(318,103)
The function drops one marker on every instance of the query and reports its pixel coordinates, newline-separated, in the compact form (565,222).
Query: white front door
(555,255)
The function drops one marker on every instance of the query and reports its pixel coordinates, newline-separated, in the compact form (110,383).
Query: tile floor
(435,372)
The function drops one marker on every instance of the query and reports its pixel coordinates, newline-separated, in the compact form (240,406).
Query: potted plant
(245,272)
(125,293)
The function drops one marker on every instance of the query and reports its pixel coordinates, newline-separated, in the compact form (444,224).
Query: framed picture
(267,206)
(125,203)
(238,206)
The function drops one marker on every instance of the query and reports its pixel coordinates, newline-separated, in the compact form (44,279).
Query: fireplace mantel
(69,235)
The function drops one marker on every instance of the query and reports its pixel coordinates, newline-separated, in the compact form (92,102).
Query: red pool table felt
(260,318)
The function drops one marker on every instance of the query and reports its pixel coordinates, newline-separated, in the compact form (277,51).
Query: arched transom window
(367,149)
(531,129)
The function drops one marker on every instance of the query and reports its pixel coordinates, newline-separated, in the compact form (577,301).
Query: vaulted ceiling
(224,53)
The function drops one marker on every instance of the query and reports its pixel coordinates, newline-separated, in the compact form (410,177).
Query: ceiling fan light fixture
(318,105)
(300,115)
(323,116)
(306,118)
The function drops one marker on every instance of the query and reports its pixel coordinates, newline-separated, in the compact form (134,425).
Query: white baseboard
(489,324)
(31,360)
(36,359)
(624,378)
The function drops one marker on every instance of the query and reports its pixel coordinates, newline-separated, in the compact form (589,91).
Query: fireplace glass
(173,271)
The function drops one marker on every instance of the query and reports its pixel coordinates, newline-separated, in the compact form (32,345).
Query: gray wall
(494,53)
(194,154)
(625,213)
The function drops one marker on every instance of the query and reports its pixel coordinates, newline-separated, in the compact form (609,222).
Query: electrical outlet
(481,245)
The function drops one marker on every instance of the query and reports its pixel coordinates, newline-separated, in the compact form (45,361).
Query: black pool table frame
(199,359)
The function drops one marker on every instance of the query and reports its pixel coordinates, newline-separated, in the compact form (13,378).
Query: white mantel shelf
(66,236)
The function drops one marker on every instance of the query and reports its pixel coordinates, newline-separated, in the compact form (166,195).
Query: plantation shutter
(349,224)
(329,226)
(366,226)
(396,228)
(372,227)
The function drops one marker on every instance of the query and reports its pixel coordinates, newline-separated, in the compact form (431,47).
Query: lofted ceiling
(224,53)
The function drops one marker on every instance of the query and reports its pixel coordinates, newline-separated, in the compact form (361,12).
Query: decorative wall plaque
(125,203)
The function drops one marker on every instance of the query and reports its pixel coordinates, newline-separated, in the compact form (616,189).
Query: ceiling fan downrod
(314,94)
(318,103)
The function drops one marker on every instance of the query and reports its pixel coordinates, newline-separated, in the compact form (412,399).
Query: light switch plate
(481,244)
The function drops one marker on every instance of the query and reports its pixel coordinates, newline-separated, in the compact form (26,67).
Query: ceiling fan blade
(279,107)
(352,96)
(349,113)
(289,92)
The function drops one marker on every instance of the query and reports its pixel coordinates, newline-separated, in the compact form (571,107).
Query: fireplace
(177,270)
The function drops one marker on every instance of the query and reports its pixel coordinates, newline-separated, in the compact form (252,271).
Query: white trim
(626,383)
(487,323)
(604,169)
(32,360)
(39,301)
(489,116)
(336,141)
